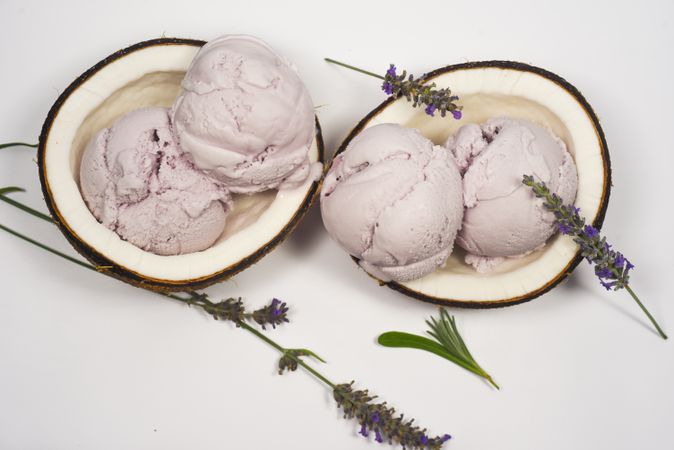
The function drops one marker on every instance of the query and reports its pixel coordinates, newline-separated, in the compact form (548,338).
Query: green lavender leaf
(17,144)
(448,344)
(10,189)
(13,189)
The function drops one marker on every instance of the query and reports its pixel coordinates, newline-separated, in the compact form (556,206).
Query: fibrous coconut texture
(244,123)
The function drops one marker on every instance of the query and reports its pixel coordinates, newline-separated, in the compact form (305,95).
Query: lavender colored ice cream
(137,182)
(502,217)
(393,200)
(245,115)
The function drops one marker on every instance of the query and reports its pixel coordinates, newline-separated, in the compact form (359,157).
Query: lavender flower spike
(273,314)
(610,266)
(382,420)
(414,90)
(420,94)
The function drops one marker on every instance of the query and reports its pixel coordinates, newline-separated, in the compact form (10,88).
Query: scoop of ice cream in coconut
(393,200)
(502,217)
(245,115)
(137,182)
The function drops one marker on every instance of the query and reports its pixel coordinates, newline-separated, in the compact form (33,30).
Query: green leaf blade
(399,339)
(446,343)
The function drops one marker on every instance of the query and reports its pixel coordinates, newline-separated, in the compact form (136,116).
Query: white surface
(87,362)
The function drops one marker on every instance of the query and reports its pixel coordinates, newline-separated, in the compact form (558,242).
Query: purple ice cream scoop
(393,200)
(137,182)
(502,217)
(245,116)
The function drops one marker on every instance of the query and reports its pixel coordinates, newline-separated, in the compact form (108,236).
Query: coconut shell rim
(603,204)
(117,270)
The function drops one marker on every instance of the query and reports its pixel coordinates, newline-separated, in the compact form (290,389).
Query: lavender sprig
(272,314)
(385,426)
(233,310)
(380,419)
(610,266)
(414,90)
(418,93)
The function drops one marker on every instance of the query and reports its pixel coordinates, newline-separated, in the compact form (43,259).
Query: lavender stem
(648,314)
(372,74)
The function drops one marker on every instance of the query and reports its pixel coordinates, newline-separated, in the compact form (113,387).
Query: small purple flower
(564,228)
(457,114)
(423,440)
(608,285)
(391,72)
(375,417)
(619,261)
(446,437)
(630,266)
(273,314)
(363,431)
(603,272)
(377,437)
(430,109)
(590,231)
(387,88)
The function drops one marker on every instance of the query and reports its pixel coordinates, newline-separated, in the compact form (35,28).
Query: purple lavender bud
(446,437)
(363,431)
(423,440)
(603,272)
(630,266)
(590,231)
(377,437)
(273,314)
(391,72)
(564,228)
(375,417)
(457,114)
(619,260)
(608,285)
(387,88)
(430,110)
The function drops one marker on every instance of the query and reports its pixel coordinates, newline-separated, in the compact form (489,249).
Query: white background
(88,362)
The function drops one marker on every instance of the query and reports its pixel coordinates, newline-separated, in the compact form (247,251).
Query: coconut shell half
(490,89)
(149,74)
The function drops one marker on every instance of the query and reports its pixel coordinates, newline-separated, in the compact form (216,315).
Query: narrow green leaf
(17,144)
(21,206)
(398,339)
(307,352)
(10,189)
(448,343)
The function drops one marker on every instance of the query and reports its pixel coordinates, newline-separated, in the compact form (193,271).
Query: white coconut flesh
(488,92)
(151,76)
